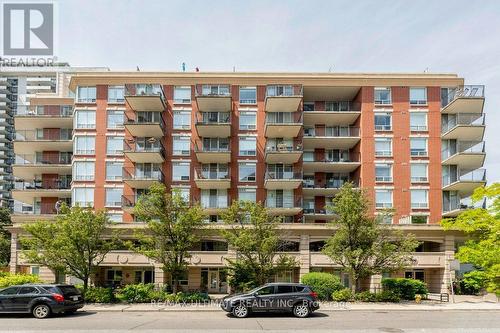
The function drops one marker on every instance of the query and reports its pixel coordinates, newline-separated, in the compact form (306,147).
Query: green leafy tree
(360,244)
(4,237)
(482,225)
(257,240)
(75,243)
(171,229)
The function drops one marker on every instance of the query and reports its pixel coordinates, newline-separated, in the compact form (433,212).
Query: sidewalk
(325,307)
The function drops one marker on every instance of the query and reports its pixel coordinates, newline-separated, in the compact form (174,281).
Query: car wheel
(301,310)
(240,311)
(41,311)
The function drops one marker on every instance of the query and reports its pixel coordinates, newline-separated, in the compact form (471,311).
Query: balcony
(312,214)
(465,182)
(340,163)
(140,179)
(145,97)
(464,99)
(455,205)
(335,114)
(214,98)
(144,150)
(467,155)
(464,126)
(212,179)
(145,124)
(331,138)
(282,180)
(213,154)
(32,141)
(27,166)
(214,124)
(280,207)
(128,203)
(283,125)
(281,98)
(45,116)
(329,188)
(27,192)
(214,204)
(283,153)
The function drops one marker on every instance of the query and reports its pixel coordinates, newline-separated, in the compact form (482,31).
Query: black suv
(40,299)
(299,299)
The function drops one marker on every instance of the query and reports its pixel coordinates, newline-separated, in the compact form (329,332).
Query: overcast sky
(343,36)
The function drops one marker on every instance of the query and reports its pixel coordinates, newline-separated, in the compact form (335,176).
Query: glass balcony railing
(478,175)
(282,202)
(44,134)
(213,90)
(335,132)
(463,119)
(467,147)
(138,174)
(52,184)
(43,159)
(466,91)
(144,145)
(207,174)
(283,175)
(333,183)
(333,158)
(143,90)
(221,146)
(48,110)
(285,118)
(284,147)
(284,90)
(334,106)
(214,118)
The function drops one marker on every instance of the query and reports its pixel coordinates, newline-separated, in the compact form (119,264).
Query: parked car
(41,300)
(299,299)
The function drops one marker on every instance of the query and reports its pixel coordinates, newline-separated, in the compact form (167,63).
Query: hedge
(405,288)
(324,284)
(7,280)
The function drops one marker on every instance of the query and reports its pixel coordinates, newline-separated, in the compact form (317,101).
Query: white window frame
(382,102)
(417,101)
(89,168)
(419,127)
(182,177)
(113,203)
(90,117)
(385,179)
(183,114)
(383,127)
(117,177)
(90,93)
(89,194)
(249,101)
(383,152)
(183,100)
(115,100)
(247,179)
(115,113)
(249,127)
(419,205)
(184,139)
(251,152)
(246,191)
(419,179)
(419,153)
(115,151)
(85,151)
(384,204)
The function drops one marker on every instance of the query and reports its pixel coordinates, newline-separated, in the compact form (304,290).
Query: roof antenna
(426,70)
(183,66)
(137,68)
(330,69)
(234,69)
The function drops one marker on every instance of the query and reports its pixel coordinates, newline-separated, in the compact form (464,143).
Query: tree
(360,244)
(482,225)
(75,243)
(4,237)
(256,237)
(170,232)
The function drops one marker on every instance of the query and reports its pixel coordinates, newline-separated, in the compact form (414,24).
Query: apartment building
(414,142)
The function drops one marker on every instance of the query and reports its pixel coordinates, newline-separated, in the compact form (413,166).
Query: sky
(340,36)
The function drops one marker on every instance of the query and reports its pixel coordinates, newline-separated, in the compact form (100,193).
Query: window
(383,198)
(283,289)
(419,219)
(86,94)
(114,145)
(83,196)
(418,172)
(418,146)
(247,194)
(114,170)
(113,275)
(84,119)
(184,192)
(246,172)
(338,106)
(265,290)
(214,198)
(182,95)
(308,156)
(383,147)
(180,171)
(114,197)
(419,199)
(248,146)
(308,106)
(248,120)
(181,145)
(383,172)
(182,119)
(383,96)
(115,119)
(280,90)
(418,96)
(83,170)
(9,291)
(84,145)
(28,291)
(418,121)
(383,122)
(384,219)
(35,270)
(115,94)
(248,95)
(114,217)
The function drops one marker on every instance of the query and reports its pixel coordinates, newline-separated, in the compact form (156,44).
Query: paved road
(345,321)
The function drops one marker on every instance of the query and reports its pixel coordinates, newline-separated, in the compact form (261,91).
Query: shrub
(387,296)
(342,295)
(98,294)
(324,284)
(16,279)
(136,293)
(405,288)
(365,296)
(472,283)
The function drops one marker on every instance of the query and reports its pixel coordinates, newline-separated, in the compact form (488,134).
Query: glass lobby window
(248,146)
(84,145)
(248,95)
(114,170)
(419,199)
(383,147)
(418,96)
(382,96)
(182,119)
(418,121)
(114,197)
(115,119)
(383,122)
(114,145)
(182,95)
(86,94)
(83,170)
(383,198)
(419,172)
(180,171)
(115,94)
(418,146)
(248,120)
(84,119)
(247,172)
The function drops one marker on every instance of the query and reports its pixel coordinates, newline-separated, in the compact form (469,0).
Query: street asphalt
(341,321)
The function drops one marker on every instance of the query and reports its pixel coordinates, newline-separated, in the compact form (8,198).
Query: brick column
(159,275)
(13,253)
(449,255)
(305,256)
